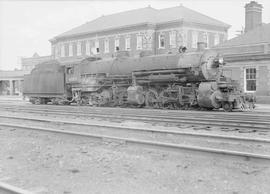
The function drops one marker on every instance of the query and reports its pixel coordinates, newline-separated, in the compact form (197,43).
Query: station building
(11,82)
(248,55)
(146,29)
(28,63)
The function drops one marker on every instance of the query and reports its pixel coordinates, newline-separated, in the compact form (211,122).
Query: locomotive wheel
(164,98)
(32,100)
(37,101)
(227,106)
(152,99)
(84,100)
(54,101)
(43,100)
(169,101)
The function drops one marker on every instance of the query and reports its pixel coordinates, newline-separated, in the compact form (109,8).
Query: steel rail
(9,189)
(144,110)
(146,143)
(186,114)
(143,129)
(259,125)
(139,111)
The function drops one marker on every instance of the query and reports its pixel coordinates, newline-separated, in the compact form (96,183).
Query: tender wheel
(37,101)
(227,106)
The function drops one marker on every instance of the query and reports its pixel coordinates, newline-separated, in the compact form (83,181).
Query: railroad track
(231,121)
(9,189)
(154,138)
(136,110)
(259,110)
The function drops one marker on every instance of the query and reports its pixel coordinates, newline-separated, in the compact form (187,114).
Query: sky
(27,26)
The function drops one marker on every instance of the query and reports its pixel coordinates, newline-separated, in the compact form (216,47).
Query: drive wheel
(227,106)
(152,99)
(37,101)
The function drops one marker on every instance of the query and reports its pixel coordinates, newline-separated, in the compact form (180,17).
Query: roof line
(204,15)
(126,12)
(108,29)
(240,45)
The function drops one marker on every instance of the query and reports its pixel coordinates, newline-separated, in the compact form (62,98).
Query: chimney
(253,17)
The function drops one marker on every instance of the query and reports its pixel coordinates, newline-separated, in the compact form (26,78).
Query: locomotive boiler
(175,81)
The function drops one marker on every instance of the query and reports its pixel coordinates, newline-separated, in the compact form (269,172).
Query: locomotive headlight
(221,60)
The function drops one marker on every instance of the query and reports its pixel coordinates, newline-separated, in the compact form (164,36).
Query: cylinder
(209,95)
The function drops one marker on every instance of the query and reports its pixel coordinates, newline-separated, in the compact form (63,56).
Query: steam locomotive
(173,81)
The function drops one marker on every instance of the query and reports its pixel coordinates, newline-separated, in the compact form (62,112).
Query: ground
(61,164)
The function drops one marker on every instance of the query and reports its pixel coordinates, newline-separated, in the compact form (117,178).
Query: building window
(70,50)
(139,42)
(216,39)
(79,48)
(206,39)
(224,37)
(96,46)
(161,40)
(70,70)
(194,39)
(87,48)
(116,45)
(106,46)
(62,50)
(250,79)
(173,39)
(66,50)
(127,41)
(56,50)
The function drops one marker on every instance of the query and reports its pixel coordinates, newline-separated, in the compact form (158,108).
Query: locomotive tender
(175,81)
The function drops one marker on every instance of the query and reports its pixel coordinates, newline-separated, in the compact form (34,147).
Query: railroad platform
(11,98)
(263,107)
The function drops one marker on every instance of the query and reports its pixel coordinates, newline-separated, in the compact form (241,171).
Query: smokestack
(253,17)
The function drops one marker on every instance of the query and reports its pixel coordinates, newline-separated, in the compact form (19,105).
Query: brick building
(145,29)
(248,55)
